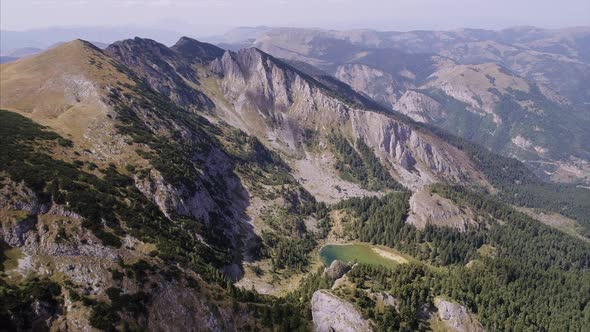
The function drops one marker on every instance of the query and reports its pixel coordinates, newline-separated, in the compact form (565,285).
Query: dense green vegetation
(103,202)
(287,242)
(276,313)
(28,305)
(518,185)
(405,282)
(382,221)
(537,278)
(506,295)
(520,236)
(360,165)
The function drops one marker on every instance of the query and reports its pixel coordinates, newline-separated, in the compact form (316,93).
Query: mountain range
(522,92)
(146,187)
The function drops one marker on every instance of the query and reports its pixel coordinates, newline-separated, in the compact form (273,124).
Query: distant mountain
(239,35)
(550,65)
(7,59)
(15,54)
(556,58)
(21,52)
(44,38)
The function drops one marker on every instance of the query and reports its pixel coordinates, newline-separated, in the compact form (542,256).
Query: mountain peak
(139,44)
(196,51)
(166,69)
(72,48)
(75,57)
(66,81)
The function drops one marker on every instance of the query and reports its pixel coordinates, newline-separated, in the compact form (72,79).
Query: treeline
(111,206)
(521,236)
(565,199)
(20,304)
(512,233)
(536,279)
(519,185)
(287,241)
(361,166)
(505,294)
(383,221)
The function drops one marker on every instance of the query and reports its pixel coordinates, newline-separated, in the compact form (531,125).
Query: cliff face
(487,104)
(376,84)
(333,314)
(419,107)
(456,317)
(506,90)
(167,70)
(430,209)
(270,98)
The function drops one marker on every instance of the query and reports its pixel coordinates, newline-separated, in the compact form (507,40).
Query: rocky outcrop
(166,70)
(52,241)
(419,107)
(456,317)
(176,308)
(195,51)
(376,84)
(428,208)
(336,270)
(331,313)
(417,157)
(19,206)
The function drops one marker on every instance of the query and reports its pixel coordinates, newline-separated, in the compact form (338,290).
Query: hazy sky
(213,16)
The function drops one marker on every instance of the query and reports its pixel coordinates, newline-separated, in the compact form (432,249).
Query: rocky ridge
(386,65)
